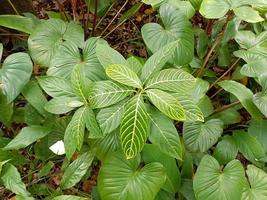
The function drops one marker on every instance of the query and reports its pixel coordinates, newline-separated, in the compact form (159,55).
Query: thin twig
(215,44)
(87,18)
(125,3)
(216,93)
(62,10)
(225,107)
(95,17)
(103,17)
(225,73)
(13,7)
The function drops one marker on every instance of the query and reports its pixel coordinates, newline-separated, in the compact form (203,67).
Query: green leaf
(248,14)
(176,28)
(62,105)
(201,136)
(243,94)
(249,146)
(44,171)
(151,153)
(108,56)
(12,181)
(27,136)
(69,197)
(157,61)
(123,75)
(258,128)
(103,147)
(214,9)
(1,51)
(120,178)
(107,93)
(81,85)
(211,182)
(184,6)
(6,110)
(228,116)
(76,170)
(16,72)
(257,186)
(134,127)
(192,111)
(56,87)
(110,118)
(44,42)
(167,104)
(19,23)
(187,189)
(2,163)
(164,134)
(173,80)
(74,134)
(226,150)
(135,64)
(34,95)
(92,124)
(260,100)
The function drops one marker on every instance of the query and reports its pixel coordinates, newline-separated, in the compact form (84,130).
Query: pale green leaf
(201,136)
(109,118)
(6,110)
(76,170)
(70,197)
(211,182)
(192,111)
(167,104)
(16,72)
(27,136)
(123,75)
(173,80)
(134,127)
(120,179)
(106,93)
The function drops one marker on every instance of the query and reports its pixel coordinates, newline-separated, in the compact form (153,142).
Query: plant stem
(200,72)
(87,19)
(95,17)
(125,3)
(211,97)
(13,7)
(102,18)
(225,107)
(225,73)
(62,10)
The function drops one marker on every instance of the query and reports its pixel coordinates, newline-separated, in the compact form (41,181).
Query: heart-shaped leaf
(211,182)
(201,136)
(176,28)
(120,178)
(15,73)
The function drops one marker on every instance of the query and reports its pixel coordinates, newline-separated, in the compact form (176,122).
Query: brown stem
(13,7)
(125,3)
(102,18)
(200,72)
(226,107)
(87,19)
(225,73)
(95,17)
(62,10)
